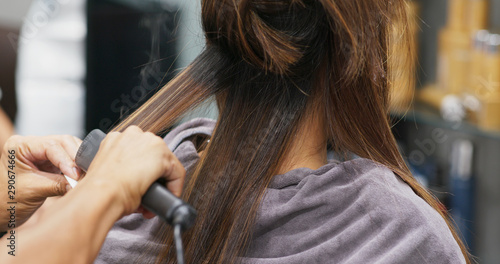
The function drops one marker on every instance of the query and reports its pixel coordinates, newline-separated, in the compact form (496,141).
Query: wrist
(107,191)
(87,212)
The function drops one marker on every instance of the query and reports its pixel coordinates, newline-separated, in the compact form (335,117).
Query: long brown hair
(268,63)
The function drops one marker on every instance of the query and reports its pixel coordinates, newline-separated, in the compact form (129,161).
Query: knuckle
(12,142)
(67,138)
(114,133)
(168,166)
(159,141)
(16,138)
(111,136)
(134,129)
(77,139)
(173,161)
(51,142)
(50,145)
(59,188)
(150,134)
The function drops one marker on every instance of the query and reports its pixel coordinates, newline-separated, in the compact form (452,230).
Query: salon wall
(191,39)
(191,43)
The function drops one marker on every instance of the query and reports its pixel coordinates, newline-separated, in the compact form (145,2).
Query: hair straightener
(157,199)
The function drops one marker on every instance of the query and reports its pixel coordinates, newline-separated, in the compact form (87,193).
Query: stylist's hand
(130,162)
(35,165)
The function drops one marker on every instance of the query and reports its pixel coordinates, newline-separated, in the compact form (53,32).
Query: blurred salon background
(69,66)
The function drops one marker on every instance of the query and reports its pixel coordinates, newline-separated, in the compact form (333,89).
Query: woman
(289,78)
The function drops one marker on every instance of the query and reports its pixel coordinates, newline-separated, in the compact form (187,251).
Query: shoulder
(185,130)
(356,212)
(178,140)
(405,228)
(130,236)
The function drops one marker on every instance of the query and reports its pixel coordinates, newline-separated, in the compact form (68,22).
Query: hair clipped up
(255,31)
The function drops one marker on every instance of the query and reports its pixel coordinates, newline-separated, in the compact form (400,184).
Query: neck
(308,148)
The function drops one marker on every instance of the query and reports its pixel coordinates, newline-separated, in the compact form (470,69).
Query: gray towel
(344,212)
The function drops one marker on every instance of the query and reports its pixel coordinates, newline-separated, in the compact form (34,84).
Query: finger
(71,145)
(77,140)
(56,154)
(110,139)
(133,129)
(44,184)
(145,212)
(34,149)
(175,177)
(47,166)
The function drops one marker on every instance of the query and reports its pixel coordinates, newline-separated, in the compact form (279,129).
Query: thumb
(49,184)
(57,189)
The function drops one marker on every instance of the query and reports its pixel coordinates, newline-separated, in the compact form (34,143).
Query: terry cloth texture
(355,211)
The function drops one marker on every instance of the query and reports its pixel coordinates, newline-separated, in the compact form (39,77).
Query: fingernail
(68,187)
(75,172)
